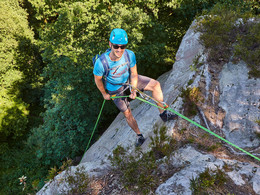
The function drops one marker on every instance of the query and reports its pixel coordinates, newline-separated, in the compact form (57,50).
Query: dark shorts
(123,103)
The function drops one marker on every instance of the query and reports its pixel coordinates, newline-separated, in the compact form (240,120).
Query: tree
(15,32)
(19,85)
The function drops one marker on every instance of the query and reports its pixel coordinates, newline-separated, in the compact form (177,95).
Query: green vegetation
(76,182)
(231,31)
(16,37)
(208,181)
(191,96)
(55,171)
(208,146)
(20,92)
(162,145)
(48,100)
(73,181)
(196,64)
(139,172)
(248,47)
(136,171)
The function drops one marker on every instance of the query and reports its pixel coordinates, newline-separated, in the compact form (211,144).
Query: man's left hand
(133,95)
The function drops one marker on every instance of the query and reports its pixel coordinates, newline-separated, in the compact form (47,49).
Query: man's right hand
(106,96)
(100,86)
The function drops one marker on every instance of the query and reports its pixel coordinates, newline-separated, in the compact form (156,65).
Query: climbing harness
(145,98)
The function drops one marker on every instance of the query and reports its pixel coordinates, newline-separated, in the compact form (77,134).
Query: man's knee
(156,85)
(128,113)
(153,85)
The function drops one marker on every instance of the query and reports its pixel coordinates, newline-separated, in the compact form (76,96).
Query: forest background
(48,100)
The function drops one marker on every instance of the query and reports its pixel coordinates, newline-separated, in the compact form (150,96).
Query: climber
(121,69)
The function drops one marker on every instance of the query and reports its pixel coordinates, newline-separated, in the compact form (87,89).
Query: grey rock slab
(59,186)
(240,98)
(194,163)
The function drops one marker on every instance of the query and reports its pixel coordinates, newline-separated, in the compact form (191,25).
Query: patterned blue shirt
(118,74)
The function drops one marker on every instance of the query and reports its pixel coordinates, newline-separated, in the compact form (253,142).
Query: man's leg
(133,124)
(131,121)
(155,87)
(123,105)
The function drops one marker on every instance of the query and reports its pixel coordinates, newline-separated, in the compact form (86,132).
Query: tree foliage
(15,33)
(19,91)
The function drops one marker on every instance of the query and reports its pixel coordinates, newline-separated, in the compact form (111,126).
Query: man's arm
(134,81)
(100,86)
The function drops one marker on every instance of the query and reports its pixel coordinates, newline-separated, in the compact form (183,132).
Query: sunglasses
(117,46)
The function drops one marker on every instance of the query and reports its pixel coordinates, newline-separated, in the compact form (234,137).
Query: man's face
(118,50)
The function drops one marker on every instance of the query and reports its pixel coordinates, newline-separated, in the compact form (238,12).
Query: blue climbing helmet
(118,36)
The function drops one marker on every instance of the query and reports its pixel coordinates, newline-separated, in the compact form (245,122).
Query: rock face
(228,104)
(240,100)
(195,163)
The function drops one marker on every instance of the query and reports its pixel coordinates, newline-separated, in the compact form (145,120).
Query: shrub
(248,46)
(228,31)
(162,145)
(139,172)
(191,96)
(77,182)
(55,171)
(207,181)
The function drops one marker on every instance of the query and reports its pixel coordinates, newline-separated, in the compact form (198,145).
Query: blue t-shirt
(118,74)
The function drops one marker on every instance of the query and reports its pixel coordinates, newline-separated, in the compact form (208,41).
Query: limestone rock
(59,184)
(195,163)
(240,100)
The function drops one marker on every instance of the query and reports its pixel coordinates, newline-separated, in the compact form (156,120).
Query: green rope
(198,125)
(173,111)
(214,134)
(95,127)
